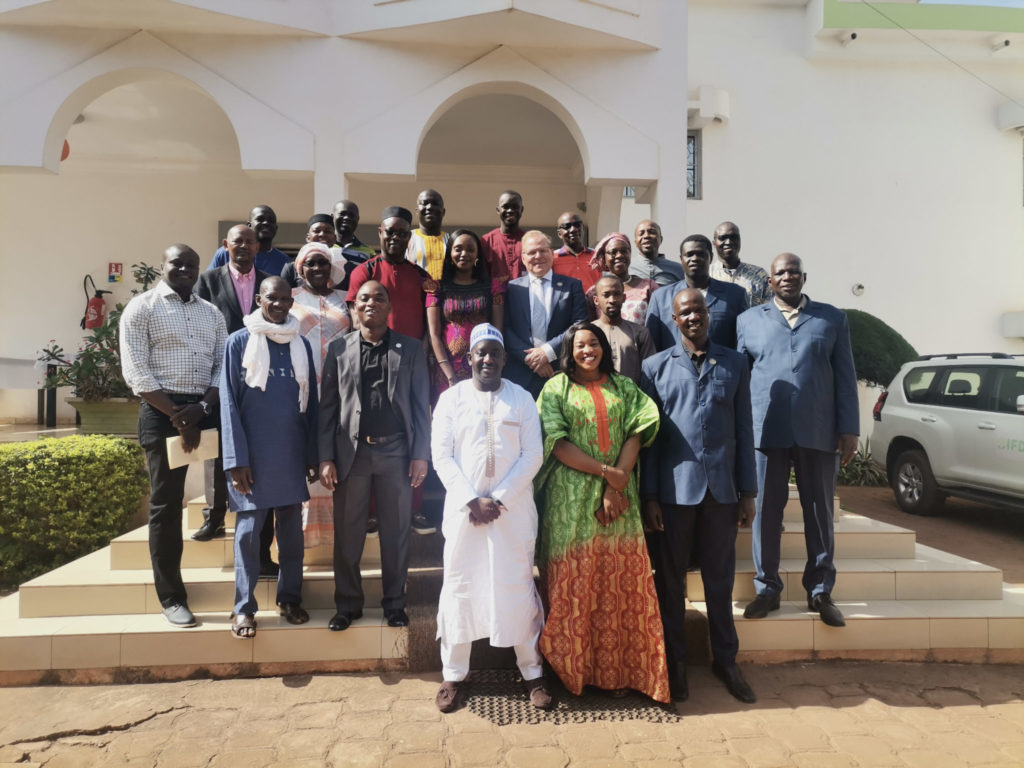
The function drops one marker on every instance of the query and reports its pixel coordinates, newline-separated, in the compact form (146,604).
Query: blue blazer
(568,306)
(706,440)
(726,302)
(803,385)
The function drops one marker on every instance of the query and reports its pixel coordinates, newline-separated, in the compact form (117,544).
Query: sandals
(243,626)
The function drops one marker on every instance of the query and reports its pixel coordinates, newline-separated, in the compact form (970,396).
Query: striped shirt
(169,344)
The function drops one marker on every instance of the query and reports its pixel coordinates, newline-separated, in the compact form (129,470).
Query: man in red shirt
(503,246)
(405,282)
(573,258)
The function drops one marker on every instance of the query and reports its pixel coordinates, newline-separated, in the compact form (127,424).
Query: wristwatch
(205,406)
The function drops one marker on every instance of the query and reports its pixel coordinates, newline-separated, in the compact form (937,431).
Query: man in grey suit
(804,396)
(699,484)
(540,306)
(233,289)
(374,432)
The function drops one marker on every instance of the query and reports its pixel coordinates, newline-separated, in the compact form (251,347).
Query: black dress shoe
(822,605)
(760,606)
(343,620)
(397,618)
(294,613)
(269,570)
(734,682)
(678,687)
(208,531)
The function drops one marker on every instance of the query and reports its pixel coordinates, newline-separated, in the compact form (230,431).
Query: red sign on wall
(115,272)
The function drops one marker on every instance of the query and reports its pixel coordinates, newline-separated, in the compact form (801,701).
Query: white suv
(953,425)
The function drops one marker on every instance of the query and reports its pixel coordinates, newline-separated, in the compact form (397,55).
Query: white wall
(893,175)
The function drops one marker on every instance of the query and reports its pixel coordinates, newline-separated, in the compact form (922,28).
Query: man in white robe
(486,446)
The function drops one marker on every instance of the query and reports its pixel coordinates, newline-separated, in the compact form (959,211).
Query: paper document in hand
(208,448)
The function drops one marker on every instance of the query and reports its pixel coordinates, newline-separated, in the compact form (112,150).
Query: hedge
(878,350)
(64,498)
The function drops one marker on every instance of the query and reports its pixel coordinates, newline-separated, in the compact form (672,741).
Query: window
(629,192)
(693,165)
(916,384)
(1007,387)
(962,388)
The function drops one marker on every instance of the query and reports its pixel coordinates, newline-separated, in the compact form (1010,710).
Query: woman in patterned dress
(465,297)
(603,627)
(323,317)
(613,255)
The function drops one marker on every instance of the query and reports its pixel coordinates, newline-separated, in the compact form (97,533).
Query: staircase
(901,600)
(97,619)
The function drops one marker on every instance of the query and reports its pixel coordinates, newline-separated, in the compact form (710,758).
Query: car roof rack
(955,355)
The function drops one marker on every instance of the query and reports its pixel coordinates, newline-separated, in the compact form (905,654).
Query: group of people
(612,419)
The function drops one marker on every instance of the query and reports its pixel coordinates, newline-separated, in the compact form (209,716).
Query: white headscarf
(256,358)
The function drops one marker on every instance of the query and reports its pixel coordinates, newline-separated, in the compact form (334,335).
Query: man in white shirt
(486,446)
(172,349)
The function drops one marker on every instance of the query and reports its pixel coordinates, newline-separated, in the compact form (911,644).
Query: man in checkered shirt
(172,349)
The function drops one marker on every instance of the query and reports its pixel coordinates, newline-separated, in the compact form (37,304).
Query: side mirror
(1020,403)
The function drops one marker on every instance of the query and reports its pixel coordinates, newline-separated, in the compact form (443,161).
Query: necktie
(538,312)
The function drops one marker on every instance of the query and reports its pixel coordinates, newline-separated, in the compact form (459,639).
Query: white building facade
(890,160)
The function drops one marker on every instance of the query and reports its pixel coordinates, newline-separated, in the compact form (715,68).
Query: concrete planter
(113,416)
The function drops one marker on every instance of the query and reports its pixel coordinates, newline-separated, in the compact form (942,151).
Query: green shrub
(862,469)
(878,350)
(63,498)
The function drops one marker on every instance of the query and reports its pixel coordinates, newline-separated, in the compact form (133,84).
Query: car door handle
(928,419)
(986,425)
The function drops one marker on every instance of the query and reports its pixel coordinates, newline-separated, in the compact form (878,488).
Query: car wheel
(914,484)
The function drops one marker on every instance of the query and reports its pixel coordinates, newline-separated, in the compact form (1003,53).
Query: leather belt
(383,439)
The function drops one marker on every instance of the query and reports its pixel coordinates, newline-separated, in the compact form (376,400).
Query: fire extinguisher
(95,306)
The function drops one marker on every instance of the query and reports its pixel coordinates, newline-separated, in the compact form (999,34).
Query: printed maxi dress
(603,626)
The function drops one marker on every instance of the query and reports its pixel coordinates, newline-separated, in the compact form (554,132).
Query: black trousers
(384,470)
(166,497)
(710,529)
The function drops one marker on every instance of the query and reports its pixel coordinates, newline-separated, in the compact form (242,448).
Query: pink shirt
(245,287)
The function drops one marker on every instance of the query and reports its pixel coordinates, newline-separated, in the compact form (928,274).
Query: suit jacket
(568,306)
(706,440)
(725,301)
(803,386)
(341,398)
(216,287)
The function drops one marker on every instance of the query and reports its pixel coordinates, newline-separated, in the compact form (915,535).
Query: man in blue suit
(699,484)
(539,307)
(725,301)
(804,395)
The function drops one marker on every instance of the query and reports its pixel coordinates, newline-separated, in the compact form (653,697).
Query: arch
(35,124)
(390,144)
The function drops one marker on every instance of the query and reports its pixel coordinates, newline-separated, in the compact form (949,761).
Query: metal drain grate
(497,695)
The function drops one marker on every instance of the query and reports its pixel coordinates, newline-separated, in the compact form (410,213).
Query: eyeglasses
(571,225)
(401,234)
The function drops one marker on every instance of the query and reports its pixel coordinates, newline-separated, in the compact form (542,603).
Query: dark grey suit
(361,466)
(216,287)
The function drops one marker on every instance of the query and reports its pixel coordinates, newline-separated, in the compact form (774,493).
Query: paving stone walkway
(808,715)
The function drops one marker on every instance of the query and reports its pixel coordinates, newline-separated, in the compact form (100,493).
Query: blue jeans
(290,551)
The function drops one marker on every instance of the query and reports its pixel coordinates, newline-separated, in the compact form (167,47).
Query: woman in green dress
(603,626)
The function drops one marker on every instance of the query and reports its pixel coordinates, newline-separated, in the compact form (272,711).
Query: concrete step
(147,643)
(131,552)
(889,629)
(855,536)
(929,574)
(88,587)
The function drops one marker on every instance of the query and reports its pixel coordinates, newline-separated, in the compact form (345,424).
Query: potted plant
(104,401)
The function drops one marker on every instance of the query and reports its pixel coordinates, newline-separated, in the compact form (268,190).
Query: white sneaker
(179,615)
